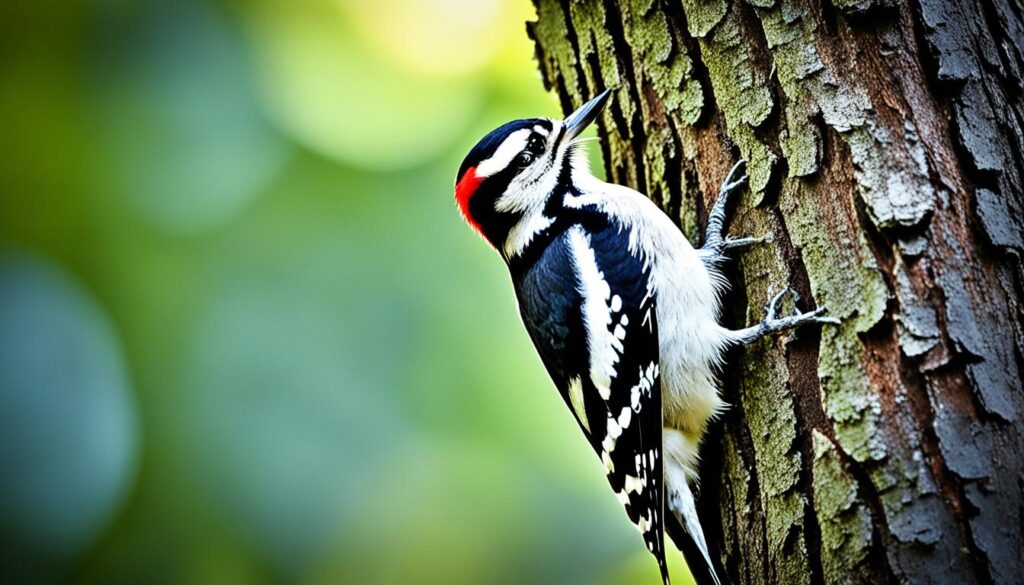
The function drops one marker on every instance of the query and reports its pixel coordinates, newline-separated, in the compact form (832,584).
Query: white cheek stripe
(502,157)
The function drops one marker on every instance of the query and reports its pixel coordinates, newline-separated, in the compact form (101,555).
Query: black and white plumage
(589,308)
(621,308)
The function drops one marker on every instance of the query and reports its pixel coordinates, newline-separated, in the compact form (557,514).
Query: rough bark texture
(884,142)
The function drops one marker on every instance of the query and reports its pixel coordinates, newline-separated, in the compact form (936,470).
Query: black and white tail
(683,527)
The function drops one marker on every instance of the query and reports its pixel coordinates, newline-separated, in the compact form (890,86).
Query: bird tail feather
(683,527)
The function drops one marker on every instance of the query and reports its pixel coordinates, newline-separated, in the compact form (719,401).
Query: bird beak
(578,121)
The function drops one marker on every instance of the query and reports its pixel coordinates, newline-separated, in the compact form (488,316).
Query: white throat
(529,195)
(527,228)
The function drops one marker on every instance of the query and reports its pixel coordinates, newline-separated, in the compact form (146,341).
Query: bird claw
(731,183)
(743,243)
(713,233)
(772,308)
(773,323)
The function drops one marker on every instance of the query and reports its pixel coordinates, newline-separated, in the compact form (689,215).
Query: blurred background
(244,334)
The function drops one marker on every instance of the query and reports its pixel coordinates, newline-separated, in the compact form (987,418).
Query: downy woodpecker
(621,308)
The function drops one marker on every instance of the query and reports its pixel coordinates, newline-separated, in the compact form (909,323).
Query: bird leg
(716,219)
(714,240)
(772,323)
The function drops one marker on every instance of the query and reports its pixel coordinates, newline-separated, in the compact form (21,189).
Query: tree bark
(884,142)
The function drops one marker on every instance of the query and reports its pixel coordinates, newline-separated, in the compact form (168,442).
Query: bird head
(514,171)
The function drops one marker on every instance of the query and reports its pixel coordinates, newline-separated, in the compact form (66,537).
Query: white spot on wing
(643,524)
(578,405)
(623,497)
(608,444)
(624,417)
(614,430)
(644,385)
(633,484)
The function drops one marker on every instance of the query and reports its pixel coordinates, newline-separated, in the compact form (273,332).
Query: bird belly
(690,339)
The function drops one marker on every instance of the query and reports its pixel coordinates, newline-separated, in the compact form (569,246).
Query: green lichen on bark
(688,216)
(747,536)
(659,149)
(664,67)
(791,39)
(850,400)
(660,65)
(844,523)
(895,194)
(555,54)
(596,42)
(759,157)
(741,90)
(767,401)
(704,15)
(605,64)
(852,287)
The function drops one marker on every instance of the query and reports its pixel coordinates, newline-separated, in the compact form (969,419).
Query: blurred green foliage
(244,335)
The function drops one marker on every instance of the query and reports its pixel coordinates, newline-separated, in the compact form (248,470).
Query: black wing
(549,303)
(590,309)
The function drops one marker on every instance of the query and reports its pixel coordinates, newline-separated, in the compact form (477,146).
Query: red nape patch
(464,192)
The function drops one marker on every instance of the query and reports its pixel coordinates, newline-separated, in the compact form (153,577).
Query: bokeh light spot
(182,134)
(68,425)
(285,421)
(343,100)
(439,37)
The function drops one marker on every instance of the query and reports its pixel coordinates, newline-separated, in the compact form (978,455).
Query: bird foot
(733,181)
(772,323)
(716,218)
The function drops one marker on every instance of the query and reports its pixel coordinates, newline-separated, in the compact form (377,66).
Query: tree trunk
(884,142)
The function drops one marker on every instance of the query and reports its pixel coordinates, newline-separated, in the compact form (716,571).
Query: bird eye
(523,159)
(535,145)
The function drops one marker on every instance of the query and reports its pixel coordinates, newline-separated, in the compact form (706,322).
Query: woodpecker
(622,309)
